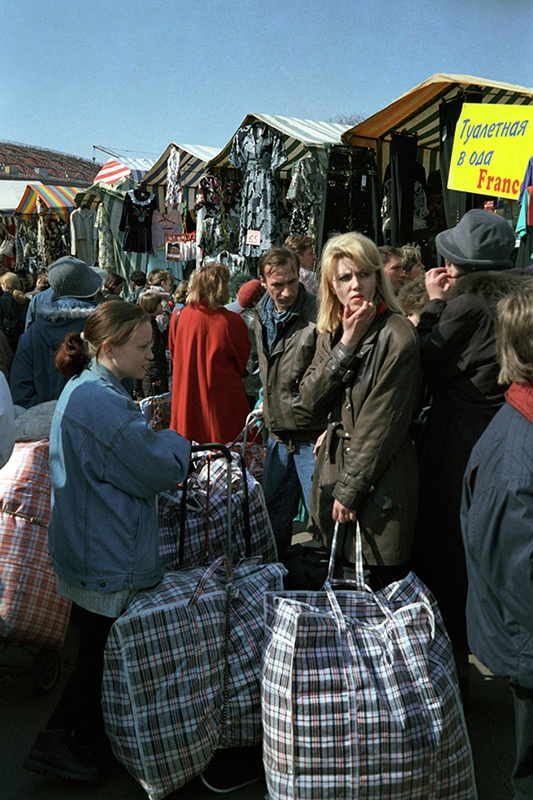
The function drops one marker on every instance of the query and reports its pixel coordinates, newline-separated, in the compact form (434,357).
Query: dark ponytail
(72,356)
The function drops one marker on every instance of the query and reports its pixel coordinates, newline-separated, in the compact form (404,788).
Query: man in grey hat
(73,294)
(70,279)
(461,369)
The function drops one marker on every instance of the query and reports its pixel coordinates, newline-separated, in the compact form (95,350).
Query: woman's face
(130,360)
(352,284)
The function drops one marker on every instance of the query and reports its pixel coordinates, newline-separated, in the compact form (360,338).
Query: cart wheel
(46,668)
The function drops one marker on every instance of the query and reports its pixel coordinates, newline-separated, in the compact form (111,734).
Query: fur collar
(58,311)
(493,284)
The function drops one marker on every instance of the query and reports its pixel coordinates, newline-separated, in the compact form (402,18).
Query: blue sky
(133,76)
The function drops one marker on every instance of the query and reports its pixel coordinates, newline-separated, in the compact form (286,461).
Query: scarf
(520,396)
(273,320)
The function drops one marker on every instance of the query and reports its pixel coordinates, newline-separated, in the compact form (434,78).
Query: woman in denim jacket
(107,467)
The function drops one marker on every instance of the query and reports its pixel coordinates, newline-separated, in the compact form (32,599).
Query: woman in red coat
(209,347)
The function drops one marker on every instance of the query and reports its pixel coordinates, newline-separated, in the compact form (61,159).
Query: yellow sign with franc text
(491,149)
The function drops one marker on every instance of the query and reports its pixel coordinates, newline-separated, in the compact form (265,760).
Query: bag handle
(208,574)
(358,584)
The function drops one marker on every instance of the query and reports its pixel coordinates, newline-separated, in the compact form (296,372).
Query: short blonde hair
(514,335)
(365,254)
(209,283)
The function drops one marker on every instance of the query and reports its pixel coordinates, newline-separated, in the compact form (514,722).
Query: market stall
(268,181)
(413,139)
(105,204)
(43,215)
(174,179)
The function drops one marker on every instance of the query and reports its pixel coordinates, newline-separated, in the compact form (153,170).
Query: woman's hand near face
(342,514)
(438,283)
(356,322)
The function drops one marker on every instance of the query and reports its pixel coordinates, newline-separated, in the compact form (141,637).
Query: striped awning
(193,159)
(113,170)
(59,200)
(417,112)
(299,137)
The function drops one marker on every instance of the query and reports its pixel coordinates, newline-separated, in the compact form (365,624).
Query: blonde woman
(366,373)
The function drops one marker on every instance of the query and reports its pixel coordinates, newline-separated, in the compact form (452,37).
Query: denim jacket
(107,467)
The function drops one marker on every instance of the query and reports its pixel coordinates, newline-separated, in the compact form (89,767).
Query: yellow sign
(491,149)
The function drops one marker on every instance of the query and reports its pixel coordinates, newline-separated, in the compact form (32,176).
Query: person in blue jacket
(107,467)
(497,528)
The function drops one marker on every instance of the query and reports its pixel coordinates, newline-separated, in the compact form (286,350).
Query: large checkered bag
(183,669)
(31,610)
(360,696)
(220,496)
(163,684)
(241,721)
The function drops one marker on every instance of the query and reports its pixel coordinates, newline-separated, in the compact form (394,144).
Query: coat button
(84,583)
(102,584)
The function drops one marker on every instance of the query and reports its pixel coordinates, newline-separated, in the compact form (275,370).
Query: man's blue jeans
(286,479)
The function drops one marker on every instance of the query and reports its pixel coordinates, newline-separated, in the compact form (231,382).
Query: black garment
(456,204)
(461,369)
(522,777)
(352,195)
(79,708)
(136,221)
(404,170)
(12,318)
(155,379)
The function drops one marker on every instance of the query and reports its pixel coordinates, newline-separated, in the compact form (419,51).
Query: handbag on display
(360,695)
(156,410)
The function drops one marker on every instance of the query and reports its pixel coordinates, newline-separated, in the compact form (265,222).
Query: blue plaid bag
(360,697)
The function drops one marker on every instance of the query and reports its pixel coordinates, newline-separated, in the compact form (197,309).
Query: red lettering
(482,176)
(516,186)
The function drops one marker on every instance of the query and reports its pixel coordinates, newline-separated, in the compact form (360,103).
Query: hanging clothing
(306,194)
(136,221)
(83,234)
(456,203)
(106,254)
(258,150)
(524,232)
(169,222)
(174,193)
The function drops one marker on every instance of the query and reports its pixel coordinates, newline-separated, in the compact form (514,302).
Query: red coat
(209,351)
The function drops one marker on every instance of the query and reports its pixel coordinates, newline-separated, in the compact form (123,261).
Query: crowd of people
(375,378)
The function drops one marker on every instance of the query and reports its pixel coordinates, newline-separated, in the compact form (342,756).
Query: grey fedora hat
(481,240)
(71,277)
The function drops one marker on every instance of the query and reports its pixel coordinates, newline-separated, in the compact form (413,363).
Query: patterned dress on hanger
(258,150)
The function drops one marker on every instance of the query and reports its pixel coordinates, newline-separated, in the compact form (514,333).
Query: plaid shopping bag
(241,722)
(220,510)
(163,686)
(360,697)
(31,609)
(182,672)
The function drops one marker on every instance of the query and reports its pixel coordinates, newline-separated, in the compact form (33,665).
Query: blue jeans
(286,478)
